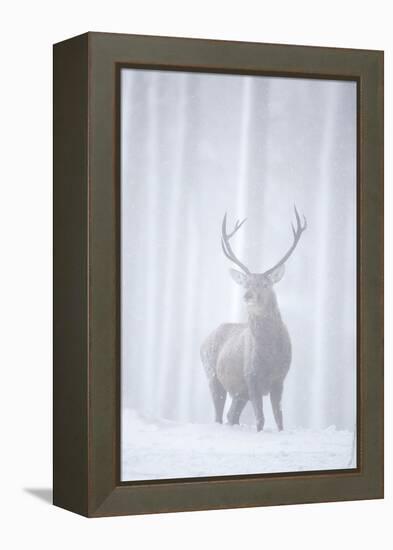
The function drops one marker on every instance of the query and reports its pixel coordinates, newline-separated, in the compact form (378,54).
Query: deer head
(259,286)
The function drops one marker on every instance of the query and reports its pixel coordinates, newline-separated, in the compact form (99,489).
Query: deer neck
(269,317)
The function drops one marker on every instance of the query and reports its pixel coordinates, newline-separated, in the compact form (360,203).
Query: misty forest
(195,146)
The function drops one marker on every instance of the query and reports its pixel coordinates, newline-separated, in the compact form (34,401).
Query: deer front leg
(235,410)
(255,396)
(275,399)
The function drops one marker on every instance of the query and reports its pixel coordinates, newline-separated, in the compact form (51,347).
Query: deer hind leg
(275,399)
(235,410)
(219,395)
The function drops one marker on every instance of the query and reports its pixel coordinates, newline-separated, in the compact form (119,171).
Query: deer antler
(226,247)
(297,233)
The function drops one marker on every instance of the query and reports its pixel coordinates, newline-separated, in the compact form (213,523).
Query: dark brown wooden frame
(86,274)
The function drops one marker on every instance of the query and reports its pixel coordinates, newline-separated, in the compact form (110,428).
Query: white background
(28,30)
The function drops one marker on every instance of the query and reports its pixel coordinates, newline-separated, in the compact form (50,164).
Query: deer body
(249,360)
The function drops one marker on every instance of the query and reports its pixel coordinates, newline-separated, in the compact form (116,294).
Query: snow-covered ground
(158,449)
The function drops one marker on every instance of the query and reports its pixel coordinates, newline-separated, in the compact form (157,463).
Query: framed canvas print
(218,287)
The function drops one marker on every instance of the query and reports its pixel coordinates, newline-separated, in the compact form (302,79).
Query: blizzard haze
(194,146)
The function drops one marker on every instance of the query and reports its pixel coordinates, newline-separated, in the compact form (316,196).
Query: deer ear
(239,277)
(276,275)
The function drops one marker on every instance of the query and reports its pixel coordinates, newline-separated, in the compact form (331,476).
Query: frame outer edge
(70,249)
(106,498)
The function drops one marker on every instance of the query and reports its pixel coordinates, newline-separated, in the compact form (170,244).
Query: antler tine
(299,223)
(297,216)
(297,233)
(226,247)
(236,228)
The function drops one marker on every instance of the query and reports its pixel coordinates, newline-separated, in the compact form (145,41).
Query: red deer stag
(249,360)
